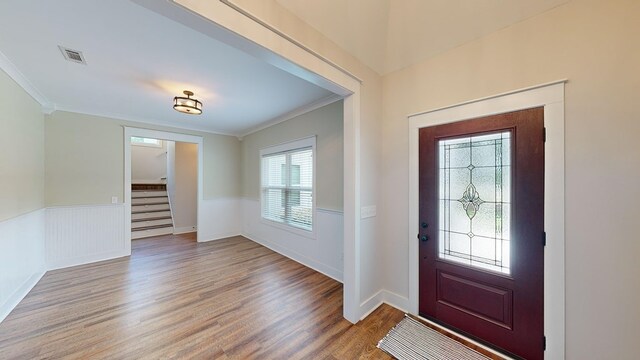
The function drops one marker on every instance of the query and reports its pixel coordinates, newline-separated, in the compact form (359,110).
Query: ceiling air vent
(72,55)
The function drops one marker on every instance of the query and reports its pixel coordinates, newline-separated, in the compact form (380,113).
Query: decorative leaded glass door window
(474,201)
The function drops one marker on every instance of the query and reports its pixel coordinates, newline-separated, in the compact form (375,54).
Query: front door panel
(482,218)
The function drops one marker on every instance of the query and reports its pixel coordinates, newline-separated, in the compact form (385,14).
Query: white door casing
(551,96)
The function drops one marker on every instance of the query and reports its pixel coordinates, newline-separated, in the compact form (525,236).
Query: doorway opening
(163,183)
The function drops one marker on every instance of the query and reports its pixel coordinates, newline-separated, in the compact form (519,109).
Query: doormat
(411,340)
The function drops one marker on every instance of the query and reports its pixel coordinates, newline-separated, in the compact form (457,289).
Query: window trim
(136,143)
(307,142)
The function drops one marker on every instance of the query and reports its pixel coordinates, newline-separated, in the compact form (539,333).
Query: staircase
(150,211)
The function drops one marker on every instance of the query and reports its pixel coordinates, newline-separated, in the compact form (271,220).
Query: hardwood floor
(176,298)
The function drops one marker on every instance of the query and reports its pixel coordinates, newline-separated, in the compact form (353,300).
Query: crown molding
(293,113)
(8,67)
(140,120)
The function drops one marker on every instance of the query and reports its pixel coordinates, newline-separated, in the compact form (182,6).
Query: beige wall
(85,160)
(594,44)
(326,124)
(184,203)
(21,151)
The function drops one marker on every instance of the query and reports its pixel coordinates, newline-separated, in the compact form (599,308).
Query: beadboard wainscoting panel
(220,218)
(324,253)
(22,257)
(78,235)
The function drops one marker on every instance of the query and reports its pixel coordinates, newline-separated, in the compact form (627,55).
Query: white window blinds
(287,187)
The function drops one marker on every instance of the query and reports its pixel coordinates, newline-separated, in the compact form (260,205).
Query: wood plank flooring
(176,298)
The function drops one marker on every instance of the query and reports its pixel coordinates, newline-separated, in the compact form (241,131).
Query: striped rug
(411,340)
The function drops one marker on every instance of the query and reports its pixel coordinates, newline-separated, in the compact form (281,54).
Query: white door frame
(551,96)
(161,135)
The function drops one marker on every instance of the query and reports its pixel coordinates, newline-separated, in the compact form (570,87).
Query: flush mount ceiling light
(187,104)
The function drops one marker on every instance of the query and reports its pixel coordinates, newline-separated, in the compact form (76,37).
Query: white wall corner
(397,301)
(383,297)
(22,258)
(48,108)
(371,304)
(20,293)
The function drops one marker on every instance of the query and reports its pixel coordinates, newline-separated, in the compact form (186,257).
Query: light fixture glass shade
(187,104)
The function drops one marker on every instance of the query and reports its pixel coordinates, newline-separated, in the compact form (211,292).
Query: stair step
(160,187)
(150,214)
(150,219)
(146,224)
(151,227)
(153,203)
(136,209)
(150,200)
(147,193)
(151,232)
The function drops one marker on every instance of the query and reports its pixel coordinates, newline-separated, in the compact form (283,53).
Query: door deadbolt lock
(424,225)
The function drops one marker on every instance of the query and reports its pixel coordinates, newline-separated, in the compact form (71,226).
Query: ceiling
(388,35)
(138,60)
(142,53)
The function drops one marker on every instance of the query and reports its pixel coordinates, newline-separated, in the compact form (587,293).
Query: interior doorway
(173,190)
(163,187)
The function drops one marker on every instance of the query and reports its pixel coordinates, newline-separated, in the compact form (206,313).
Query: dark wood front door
(482,229)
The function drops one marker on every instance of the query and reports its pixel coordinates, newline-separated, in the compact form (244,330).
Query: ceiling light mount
(187,105)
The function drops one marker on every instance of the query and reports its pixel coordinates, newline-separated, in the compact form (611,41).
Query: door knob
(424,238)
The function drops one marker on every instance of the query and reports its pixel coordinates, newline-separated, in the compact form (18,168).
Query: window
(475,200)
(287,184)
(141,141)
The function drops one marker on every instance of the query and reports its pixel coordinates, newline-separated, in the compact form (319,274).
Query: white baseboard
(82,260)
(304,260)
(19,294)
(397,301)
(371,304)
(383,296)
(184,230)
(219,236)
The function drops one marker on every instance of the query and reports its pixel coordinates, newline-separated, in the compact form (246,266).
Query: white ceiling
(388,35)
(138,60)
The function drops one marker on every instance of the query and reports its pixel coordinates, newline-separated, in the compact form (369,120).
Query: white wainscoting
(22,257)
(219,218)
(322,253)
(78,235)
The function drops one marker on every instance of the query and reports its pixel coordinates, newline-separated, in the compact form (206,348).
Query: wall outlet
(114,199)
(368,211)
